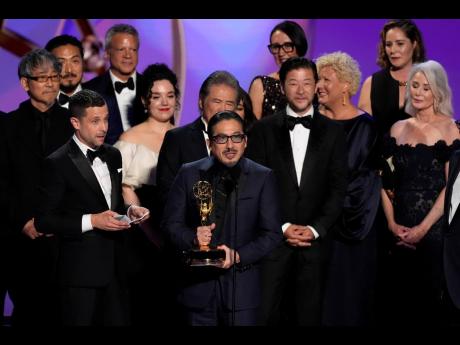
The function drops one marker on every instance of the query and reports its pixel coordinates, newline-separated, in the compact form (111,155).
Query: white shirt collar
(291,112)
(205,124)
(115,78)
(83,147)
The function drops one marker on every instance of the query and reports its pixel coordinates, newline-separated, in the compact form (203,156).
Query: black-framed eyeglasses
(288,47)
(44,78)
(222,139)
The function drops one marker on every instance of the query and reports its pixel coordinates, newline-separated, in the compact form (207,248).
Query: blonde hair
(346,68)
(439,84)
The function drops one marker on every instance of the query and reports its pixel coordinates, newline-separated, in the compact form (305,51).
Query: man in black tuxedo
(206,293)
(185,144)
(69,52)
(452,238)
(121,83)
(33,131)
(307,152)
(80,200)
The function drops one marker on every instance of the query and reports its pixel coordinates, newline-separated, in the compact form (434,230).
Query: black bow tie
(63,98)
(98,153)
(292,121)
(119,86)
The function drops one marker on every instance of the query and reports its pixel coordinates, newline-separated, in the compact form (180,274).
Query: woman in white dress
(140,147)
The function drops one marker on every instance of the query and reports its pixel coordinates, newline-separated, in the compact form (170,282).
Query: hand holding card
(137,214)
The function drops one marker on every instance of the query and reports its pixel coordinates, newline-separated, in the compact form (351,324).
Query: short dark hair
(295,32)
(63,40)
(153,73)
(413,34)
(218,78)
(82,100)
(296,63)
(221,116)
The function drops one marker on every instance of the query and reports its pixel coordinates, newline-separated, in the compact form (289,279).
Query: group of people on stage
(327,213)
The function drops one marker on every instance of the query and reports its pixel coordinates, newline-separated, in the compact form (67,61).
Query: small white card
(125,218)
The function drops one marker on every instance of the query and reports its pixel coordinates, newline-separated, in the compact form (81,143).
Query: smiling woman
(287,39)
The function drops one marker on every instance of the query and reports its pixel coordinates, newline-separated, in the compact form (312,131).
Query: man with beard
(69,52)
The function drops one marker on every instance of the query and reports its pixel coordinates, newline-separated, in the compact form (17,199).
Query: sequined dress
(274,99)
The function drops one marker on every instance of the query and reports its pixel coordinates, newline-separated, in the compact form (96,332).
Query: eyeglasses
(44,78)
(288,47)
(222,139)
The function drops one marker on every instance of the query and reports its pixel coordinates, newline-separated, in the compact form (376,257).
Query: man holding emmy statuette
(223,212)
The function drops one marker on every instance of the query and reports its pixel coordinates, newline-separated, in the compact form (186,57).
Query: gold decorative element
(202,191)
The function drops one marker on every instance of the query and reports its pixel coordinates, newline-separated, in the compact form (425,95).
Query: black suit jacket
(319,199)
(22,157)
(103,85)
(180,145)
(452,235)
(69,190)
(4,198)
(258,231)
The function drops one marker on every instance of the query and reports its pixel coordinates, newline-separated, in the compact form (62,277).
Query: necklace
(402,83)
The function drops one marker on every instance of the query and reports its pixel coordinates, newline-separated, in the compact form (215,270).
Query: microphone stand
(234,255)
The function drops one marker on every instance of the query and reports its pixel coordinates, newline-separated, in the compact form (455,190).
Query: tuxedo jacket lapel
(197,138)
(284,140)
(311,155)
(83,166)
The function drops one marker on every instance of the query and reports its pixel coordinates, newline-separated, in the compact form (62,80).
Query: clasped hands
(299,235)
(407,237)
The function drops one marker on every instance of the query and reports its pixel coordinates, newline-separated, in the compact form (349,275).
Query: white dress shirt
(125,99)
(455,198)
(299,142)
(206,136)
(101,170)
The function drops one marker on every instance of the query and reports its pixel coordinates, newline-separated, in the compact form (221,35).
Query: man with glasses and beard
(69,52)
(244,193)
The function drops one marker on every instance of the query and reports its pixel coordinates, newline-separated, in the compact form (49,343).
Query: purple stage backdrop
(237,45)
(197,47)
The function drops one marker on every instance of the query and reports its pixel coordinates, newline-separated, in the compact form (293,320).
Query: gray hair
(439,85)
(35,59)
(219,78)
(120,29)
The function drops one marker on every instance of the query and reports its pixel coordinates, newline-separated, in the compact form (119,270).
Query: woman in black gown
(420,148)
(383,96)
(350,282)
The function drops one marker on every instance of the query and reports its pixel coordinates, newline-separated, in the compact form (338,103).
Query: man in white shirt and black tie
(119,86)
(80,203)
(307,152)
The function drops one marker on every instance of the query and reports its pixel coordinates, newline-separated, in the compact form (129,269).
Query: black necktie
(63,98)
(292,121)
(119,86)
(98,153)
